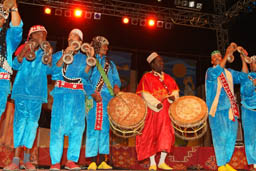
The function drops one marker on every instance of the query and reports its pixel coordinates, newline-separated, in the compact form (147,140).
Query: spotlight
(67,13)
(88,15)
(47,10)
(97,16)
(184,3)
(134,21)
(151,22)
(168,25)
(142,22)
(58,12)
(191,4)
(160,24)
(125,20)
(199,6)
(78,13)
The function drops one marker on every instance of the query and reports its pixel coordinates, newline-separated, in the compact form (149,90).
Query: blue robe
(29,92)
(248,96)
(224,130)
(13,39)
(97,141)
(68,111)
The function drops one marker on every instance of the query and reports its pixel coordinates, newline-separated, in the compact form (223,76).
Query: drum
(127,112)
(189,117)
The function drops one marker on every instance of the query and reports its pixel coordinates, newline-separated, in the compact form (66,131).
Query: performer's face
(103,50)
(158,64)
(2,21)
(253,66)
(73,37)
(39,36)
(216,59)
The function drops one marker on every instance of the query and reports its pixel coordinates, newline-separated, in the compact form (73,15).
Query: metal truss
(236,8)
(222,39)
(221,34)
(136,10)
(233,11)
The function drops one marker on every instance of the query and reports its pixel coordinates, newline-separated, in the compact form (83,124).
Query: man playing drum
(106,82)
(223,111)
(159,90)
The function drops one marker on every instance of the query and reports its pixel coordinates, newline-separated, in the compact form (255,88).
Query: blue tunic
(248,96)
(29,92)
(98,141)
(13,39)
(224,131)
(68,111)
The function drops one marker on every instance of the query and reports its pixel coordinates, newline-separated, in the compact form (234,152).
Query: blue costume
(97,141)
(248,96)
(13,39)
(68,110)
(224,130)
(29,92)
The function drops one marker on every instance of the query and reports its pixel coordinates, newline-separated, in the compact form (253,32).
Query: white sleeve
(151,101)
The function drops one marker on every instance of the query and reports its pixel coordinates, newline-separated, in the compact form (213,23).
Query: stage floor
(124,158)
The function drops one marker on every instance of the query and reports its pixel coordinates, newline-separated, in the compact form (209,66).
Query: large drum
(127,112)
(189,117)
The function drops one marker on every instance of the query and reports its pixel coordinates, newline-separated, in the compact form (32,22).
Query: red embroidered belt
(75,86)
(4,76)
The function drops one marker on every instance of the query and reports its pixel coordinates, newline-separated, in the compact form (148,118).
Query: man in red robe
(159,90)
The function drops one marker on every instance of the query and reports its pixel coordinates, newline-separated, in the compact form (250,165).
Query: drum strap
(162,82)
(230,95)
(104,78)
(99,105)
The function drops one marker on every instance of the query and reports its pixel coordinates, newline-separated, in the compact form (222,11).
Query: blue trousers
(249,126)
(97,141)
(68,119)
(224,133)
(3,100)
(25,123)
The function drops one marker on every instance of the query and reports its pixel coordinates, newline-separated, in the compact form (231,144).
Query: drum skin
(127,112)
(189,117)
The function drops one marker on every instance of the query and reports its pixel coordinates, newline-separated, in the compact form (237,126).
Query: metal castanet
(242,52)
(231,57)
(68,56)
(46,46)
(89,50)
(33,45)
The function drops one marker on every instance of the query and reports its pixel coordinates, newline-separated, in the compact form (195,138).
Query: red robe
(158,133)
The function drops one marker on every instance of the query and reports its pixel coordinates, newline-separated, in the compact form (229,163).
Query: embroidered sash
(230,95)
(222,82)
(99,105)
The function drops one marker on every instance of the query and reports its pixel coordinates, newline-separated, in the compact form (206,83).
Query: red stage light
(78,13)
(47,10)
(126,20)
(151,22)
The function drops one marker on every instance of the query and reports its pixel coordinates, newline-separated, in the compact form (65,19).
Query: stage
(124,158)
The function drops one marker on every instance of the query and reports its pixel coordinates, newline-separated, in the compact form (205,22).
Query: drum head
(127,110)
(188,111)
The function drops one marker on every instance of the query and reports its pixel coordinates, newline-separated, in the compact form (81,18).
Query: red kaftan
(158,133)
